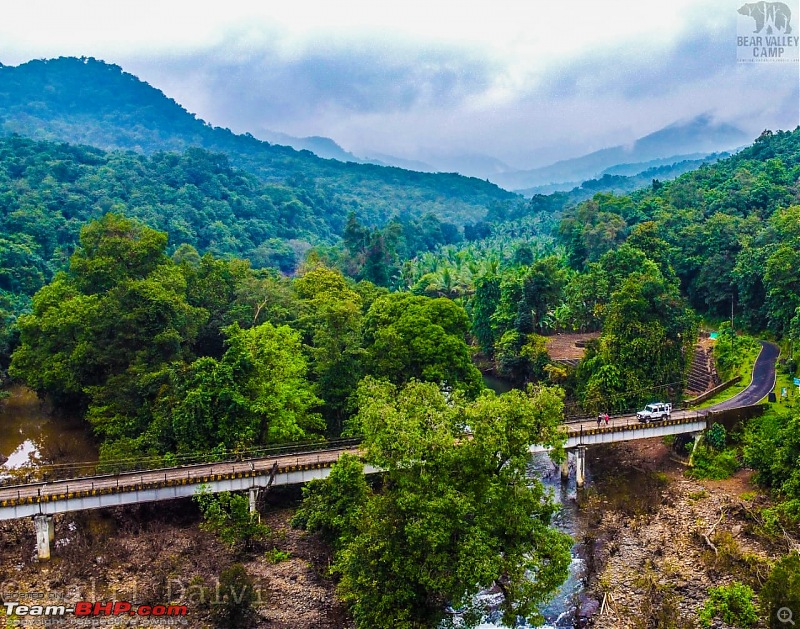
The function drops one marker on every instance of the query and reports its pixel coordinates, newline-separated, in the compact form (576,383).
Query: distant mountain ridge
(323,147)
(688,140)
(625,178)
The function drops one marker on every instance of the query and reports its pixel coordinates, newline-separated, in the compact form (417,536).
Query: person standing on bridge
(599,420)
(606,418)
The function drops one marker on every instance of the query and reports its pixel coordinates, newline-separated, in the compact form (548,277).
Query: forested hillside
(629,267)
(730,232)
(86,101)
(49,191)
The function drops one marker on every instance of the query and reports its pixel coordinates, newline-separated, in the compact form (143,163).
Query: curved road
(763,380)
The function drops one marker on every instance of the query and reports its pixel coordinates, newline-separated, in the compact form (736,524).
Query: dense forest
(50,190)
(720,237)
(174,356)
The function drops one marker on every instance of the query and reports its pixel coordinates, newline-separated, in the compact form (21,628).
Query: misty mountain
(381,159)
(321,146)
(469,164)
(677,142)
(566,194)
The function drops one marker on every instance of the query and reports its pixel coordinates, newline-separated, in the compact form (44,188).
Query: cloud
(518,81)
(267,89)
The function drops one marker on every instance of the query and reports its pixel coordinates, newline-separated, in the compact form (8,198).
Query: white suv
(657,410)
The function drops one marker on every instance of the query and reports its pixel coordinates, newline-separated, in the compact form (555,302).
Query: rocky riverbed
(656,551)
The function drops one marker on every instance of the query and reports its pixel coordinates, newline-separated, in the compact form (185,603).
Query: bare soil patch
(157,554)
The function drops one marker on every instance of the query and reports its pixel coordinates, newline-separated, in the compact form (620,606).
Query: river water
(561,611)
(31,435)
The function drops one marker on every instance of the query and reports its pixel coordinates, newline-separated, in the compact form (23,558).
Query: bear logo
(774,16)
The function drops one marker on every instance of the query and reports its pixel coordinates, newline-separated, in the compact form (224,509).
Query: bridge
(42,500)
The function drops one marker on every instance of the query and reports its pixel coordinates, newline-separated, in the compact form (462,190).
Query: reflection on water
(26,455)
(30,435)
(496,384)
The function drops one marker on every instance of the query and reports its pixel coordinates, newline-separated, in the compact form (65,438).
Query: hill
(615,180)
(49,191)
(86,101)
(728,230)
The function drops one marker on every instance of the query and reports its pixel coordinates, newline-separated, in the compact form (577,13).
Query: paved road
(763,380)
(762,383)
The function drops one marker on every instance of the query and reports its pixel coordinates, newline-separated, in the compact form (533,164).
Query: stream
(561,611)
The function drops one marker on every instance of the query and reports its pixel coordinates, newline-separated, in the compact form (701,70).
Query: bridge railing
(67,471)
(590,421)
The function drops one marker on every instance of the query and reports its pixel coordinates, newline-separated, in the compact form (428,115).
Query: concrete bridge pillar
(252,495)
(45,534)
(580,465)
(565,466)
(697,437)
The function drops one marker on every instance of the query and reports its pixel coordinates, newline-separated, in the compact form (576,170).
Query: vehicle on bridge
(656,410)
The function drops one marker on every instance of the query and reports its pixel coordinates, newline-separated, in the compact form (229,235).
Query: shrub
(731,603)
(236,597)
(276,556)
(713,465)
(228,516)
(716,436)
(782,588)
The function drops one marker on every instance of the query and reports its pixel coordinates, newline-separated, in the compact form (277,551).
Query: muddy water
(32,435)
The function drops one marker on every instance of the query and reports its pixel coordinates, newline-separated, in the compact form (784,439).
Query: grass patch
(277,556)
(784,380)
(713,465)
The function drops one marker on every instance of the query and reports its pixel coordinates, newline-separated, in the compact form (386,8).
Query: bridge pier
(697,437)
(252,495)
(565,466)
(45,535)
(580,466)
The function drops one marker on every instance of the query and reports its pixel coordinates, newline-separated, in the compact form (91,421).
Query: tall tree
(410,336)
(256,394)
(332,320)
(455,514)
(647,340)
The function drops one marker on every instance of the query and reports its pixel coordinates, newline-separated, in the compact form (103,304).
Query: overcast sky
(527,82)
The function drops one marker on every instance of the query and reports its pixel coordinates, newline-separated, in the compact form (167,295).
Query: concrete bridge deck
(109,490)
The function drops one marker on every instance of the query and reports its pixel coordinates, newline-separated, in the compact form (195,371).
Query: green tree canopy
(455,514)
(409,336)
(257,393)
